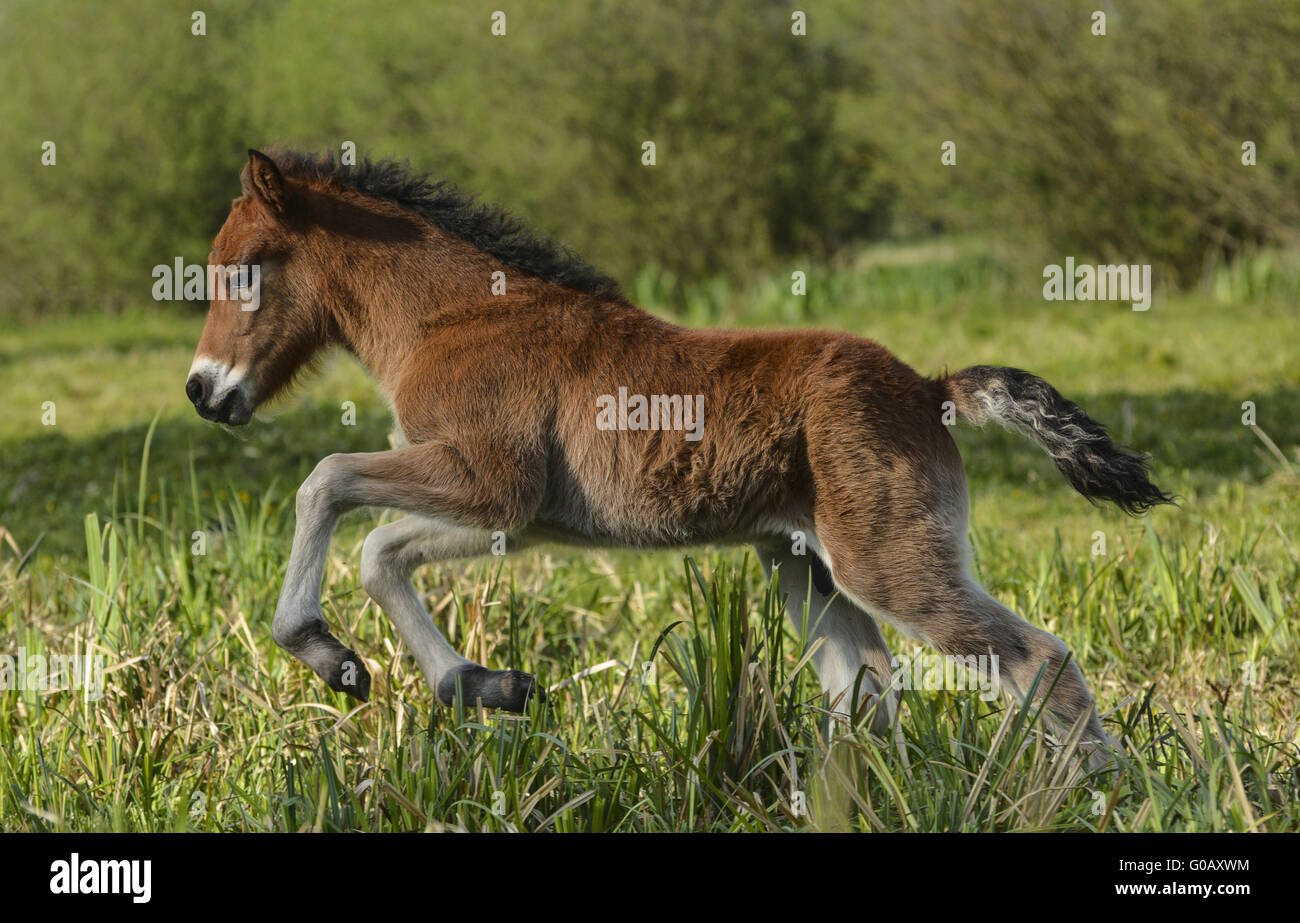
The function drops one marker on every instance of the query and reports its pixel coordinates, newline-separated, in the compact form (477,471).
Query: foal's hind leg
(892,520)
(923,589)
(389,555)
(853,655)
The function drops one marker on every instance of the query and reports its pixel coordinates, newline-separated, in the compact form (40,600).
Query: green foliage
(152,125)
(139,112)
(1125,147)
(771,148)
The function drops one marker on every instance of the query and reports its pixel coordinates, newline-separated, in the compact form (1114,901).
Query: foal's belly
(546,534)
(758,525)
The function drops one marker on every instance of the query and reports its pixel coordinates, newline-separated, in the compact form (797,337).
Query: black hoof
(509,690)
(350,675)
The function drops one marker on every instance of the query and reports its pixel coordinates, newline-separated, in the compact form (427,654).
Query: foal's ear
(261,180)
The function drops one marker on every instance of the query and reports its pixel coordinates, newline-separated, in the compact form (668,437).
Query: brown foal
(539,405)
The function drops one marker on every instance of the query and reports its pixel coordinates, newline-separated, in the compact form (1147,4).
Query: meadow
(680,699)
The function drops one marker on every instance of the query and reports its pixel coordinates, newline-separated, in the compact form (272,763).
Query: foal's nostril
(195,390)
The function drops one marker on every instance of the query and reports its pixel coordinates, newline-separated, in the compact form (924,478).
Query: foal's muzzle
(216,399)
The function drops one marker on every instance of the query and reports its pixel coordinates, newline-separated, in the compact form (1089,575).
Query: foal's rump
(879,418)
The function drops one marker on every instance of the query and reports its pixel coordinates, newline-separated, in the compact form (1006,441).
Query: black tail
(1080,446)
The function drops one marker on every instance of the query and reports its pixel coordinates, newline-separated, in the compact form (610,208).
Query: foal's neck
(389,296)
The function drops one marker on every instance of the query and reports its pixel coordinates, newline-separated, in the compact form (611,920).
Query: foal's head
(316,253)
(265,319)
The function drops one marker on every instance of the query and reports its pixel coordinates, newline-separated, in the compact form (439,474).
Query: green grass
(205,724)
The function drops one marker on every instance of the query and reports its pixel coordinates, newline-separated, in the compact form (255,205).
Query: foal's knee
(320,487)
(377,562)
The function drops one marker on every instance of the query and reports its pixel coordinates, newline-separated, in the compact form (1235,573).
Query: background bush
(772,148)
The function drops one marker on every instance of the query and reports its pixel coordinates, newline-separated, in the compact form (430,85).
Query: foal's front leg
(431,479)
(299,627)
(390,554)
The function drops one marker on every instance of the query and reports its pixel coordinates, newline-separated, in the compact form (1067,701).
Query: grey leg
(852,637)
(388,557)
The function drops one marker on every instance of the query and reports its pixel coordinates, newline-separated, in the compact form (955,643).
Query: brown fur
(814,431)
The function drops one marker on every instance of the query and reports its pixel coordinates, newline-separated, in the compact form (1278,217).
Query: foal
(537,402)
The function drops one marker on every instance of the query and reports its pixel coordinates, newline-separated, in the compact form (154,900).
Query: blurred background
(773,149)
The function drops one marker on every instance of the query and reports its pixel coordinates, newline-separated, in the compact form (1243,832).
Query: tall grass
(680,697)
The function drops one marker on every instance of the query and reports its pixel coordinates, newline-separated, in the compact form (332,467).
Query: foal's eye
(242,285)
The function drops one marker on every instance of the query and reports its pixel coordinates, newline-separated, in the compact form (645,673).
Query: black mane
(438,202)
